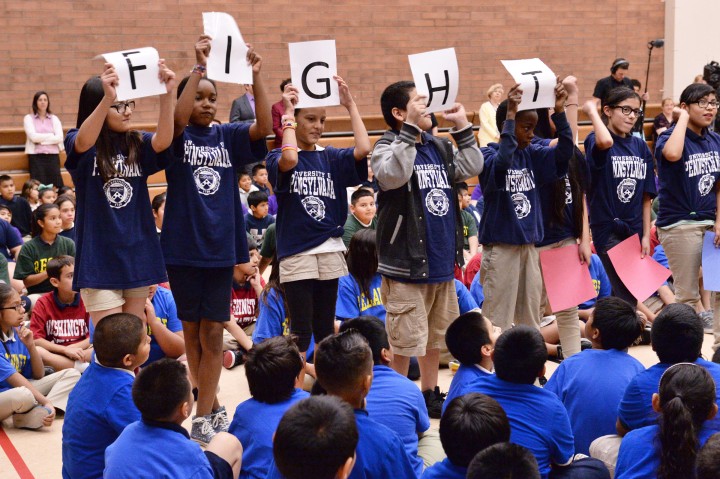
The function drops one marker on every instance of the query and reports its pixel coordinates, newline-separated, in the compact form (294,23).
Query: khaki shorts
(104,299)
(322,266)
(417,315)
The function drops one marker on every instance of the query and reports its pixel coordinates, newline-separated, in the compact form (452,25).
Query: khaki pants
(230,343)
(683,247)
(57,386)
(512,283)
(567,320)
(430,448)
(606,449)
(16,400)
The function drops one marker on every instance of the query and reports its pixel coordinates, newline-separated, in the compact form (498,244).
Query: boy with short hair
(257,220)
(470,227)
(59,322)
(471,340)
(394,401)
(161,445)
(163,326)
(591,384)
(362,214)
(419,232)
(538,419)
(100,406)
(316,438)
(19,206)
(245,187)
(470,424)
(272,369)
(260,178)
(504,460)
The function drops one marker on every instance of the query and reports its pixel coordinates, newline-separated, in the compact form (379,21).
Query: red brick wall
(50,44)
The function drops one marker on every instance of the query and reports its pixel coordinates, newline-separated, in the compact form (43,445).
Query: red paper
(567,281)
(641,276)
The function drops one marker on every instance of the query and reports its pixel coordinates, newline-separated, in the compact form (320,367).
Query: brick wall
(50,44)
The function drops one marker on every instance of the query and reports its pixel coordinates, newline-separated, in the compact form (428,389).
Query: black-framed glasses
(20,307)
(123,105)
(703,103)
(626,110)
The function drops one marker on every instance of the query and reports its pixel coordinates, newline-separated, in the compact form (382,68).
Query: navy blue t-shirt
(312,197)
(9,239)
(619,177)
(117,243)
(556,232)
(510,180)
(256,227)
(204,225)
(687,186)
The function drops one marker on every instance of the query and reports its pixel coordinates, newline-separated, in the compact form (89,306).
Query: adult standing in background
(44,141)
(243,107)
(488,127)
(618,77)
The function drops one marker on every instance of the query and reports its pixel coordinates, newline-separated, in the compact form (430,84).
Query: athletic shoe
(219,420)
(434,400)
(644,338)
(585,344)
(202,430)
(233,358)
(33,419)
(707,319)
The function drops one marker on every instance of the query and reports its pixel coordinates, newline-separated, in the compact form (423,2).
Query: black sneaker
(434,400)
(233,358)
(559,357)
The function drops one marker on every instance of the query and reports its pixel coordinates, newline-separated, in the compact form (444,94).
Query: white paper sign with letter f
(537,81)
(138,73)
(312,66)
(228,53)
(437,77)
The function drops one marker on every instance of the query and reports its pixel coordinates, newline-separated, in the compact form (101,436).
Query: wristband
(200,69)
(289,124)
(289,147)
(570,104)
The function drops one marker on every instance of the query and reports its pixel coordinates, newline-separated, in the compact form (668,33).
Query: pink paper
(641,276)
(567,281)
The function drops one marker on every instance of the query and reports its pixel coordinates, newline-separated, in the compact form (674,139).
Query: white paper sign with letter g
(312,67)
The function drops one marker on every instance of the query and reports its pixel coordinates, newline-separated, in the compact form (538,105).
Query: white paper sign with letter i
(228,53)
(437,77)
(138,73)
(537,81)
(312,67)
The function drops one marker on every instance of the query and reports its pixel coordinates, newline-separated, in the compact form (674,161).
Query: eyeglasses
(20,307)
(706,103)
(626,110)
(122,106)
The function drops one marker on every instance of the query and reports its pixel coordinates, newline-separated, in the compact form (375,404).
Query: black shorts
(201,293)
(220,467)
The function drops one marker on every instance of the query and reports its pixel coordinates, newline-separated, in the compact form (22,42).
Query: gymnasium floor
(37,454)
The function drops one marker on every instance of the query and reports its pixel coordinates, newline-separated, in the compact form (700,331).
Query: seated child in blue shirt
(394,401)
(344,369)
(158,445)
(272,370)
(466,302)
(677,337)
(538,419)
(316,438)
(599,376)
(359,290)
(257,221)
(686,404)
(601,283)
(470,424)
(708,459)
(504,460)
(101,406)
(470,339)
(163,325)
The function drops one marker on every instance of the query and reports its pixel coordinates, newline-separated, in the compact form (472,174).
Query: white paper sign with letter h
(437,77)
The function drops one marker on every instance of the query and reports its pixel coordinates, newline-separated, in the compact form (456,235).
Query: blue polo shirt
(476,290)
(117,244)
(160,450)
(445,470)
(203,213)
(254,424)
(14,358)
(510,181)
(352,303)
(638,461)
(465,300)
(166,312)
(99,408)
(397,403)
(464,376)
(312,197)
(619,177)
(687,186)
(600,280)
(598,377)
(635,409)
(538,420)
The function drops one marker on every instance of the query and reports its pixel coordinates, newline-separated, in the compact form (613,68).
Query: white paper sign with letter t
(537,81)
(437,77)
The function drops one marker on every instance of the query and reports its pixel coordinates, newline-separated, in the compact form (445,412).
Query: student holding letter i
(203,214)
(512,222)
(118,251)
(687,154)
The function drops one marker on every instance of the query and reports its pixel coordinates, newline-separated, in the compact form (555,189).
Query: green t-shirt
(469,228)
(353,225)
(4,275)
(34,256)
(267,250)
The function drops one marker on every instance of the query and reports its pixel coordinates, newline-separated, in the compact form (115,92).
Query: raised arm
(362,140)
(263,116)
(89,131)
(571,104)
(674,146)
(468,159)
(163,136)
(289,153)
(184,106)
(603,139)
